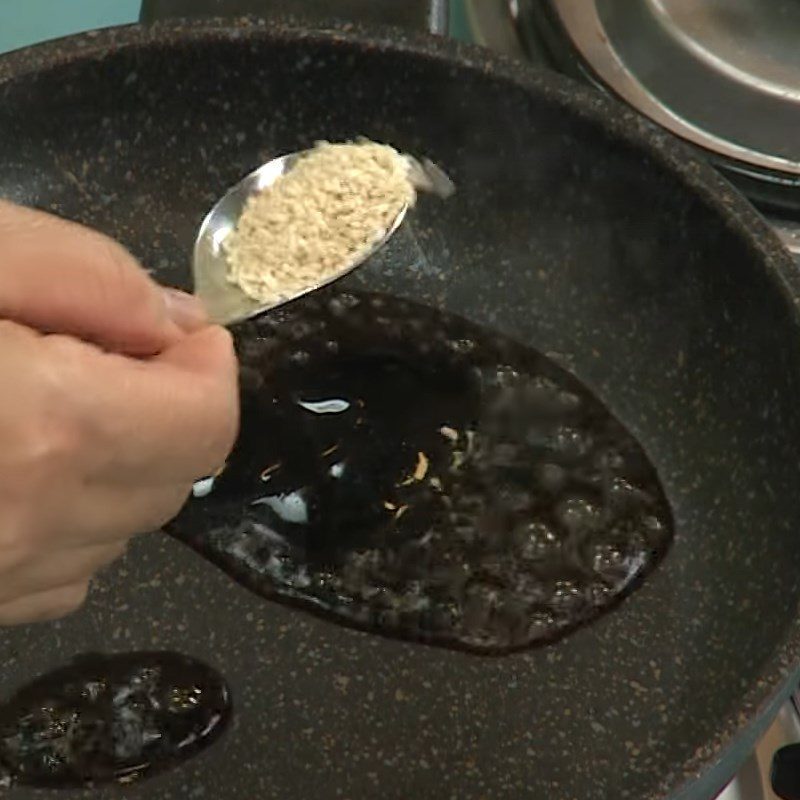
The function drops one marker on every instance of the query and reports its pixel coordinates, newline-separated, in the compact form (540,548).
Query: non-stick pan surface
(577,229)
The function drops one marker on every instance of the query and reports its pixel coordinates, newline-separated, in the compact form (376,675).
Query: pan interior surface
(406,472)
(566,235)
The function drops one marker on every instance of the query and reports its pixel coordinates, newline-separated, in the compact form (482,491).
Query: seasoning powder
(317,219)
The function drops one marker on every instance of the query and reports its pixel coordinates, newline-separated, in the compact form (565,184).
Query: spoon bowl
(225,302)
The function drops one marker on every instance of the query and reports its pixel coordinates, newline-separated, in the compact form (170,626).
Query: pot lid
(722,74)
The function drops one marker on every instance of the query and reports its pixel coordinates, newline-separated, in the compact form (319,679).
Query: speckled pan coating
(578,228)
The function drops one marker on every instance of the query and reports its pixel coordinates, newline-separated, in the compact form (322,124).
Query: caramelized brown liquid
(408,472)
(110,718)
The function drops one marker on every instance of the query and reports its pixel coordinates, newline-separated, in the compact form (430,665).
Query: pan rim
(711,766)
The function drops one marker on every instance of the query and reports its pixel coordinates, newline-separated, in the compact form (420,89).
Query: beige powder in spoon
(317,219)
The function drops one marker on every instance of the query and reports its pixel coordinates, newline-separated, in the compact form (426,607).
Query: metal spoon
(225,302)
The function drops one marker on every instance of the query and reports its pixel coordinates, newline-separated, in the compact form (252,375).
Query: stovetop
(526,29)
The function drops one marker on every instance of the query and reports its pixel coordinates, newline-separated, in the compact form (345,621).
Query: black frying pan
(578,229)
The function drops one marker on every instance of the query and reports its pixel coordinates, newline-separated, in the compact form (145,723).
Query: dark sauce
(408,472)
(111,718)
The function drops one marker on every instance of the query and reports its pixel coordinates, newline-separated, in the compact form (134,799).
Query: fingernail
(185,310)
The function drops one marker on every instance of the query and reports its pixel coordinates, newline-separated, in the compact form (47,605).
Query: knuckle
(45,447)
(63,369)
(39,428)
(50,432)
(29,477)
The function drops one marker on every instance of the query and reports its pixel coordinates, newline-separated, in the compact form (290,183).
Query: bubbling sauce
(110,718)
(405,471)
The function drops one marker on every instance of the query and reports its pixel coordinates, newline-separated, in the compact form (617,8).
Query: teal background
(24,22)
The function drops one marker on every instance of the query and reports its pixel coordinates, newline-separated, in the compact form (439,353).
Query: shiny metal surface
(224,301)
(493,24)
(713,72)
(789,233)
(752,781)
(525,29)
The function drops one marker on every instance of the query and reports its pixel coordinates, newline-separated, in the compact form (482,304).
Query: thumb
(59,277)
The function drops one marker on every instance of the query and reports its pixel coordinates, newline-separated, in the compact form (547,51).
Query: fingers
(96,445)
(172,418)
(57,276)
(68,568)
(104,514)
(42,606)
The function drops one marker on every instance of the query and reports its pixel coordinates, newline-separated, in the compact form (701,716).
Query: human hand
(115,395)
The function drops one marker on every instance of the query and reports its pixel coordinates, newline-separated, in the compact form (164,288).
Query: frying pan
(579,229)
